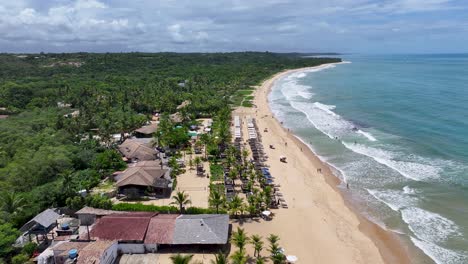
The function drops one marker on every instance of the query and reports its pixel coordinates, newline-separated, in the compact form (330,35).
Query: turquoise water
(395,128)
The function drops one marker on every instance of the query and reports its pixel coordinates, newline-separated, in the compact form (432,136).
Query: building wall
(110,255)
(131,248)
(151,248)
(87,219)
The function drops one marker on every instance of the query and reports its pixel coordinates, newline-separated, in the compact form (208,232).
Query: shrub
(29,249)
(135,207)
(20,259)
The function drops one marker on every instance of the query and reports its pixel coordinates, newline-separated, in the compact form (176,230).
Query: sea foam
(439,254)
(411,170)
(429,226)
(394,199)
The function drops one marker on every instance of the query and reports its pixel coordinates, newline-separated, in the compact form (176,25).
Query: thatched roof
(143,176)
(147,130)
(134,149)
(176,118)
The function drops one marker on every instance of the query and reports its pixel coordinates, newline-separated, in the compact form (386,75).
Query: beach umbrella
(291,258)
(266,213)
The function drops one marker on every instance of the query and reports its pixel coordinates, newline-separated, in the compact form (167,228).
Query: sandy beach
(319,226)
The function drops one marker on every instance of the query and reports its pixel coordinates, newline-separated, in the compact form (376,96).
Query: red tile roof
(124,227)
(161,229)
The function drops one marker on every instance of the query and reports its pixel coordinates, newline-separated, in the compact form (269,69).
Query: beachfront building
(80,252)
(135,150)
(146,131)
(142,232)
(144,179)
(88,215)
(41,226)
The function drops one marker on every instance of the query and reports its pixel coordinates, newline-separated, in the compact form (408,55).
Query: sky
(346,26)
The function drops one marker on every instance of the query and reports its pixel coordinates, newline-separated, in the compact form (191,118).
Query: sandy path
(317,227)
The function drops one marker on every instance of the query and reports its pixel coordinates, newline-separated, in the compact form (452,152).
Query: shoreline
(389,245)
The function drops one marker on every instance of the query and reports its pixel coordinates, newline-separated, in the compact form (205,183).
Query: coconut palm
(261,260)
(239,257)
(190,163)
(220,258)
(267,192)
(257,243)
(181,199)
(245,155)
(205,139)
(278,258)
(216,200)
(197,161)
(181,259)
(275,253)
(11,203)
(240,239)
(235,205)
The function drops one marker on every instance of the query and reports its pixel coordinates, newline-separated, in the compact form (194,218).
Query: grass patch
(247,103)
(244,92)
(217,172)
(217,187)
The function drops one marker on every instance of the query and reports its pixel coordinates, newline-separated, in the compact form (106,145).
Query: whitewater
(367,120)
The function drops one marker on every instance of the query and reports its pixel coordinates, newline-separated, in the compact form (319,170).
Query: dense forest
(55,106)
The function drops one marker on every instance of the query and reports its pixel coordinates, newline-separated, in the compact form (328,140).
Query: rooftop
(148,130)
(46,218)
(95,211)
(168,229)
(123,227)
(141,176)
(201,229)
(93,251)
(135,149)
(161,229)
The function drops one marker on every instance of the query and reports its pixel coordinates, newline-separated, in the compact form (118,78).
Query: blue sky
(358,26)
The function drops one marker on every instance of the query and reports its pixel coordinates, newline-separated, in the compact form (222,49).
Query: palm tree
(260,260)
(235,205)
(257,243)
(278,258)
(267,192)
(220,258)
(233,174)
(11,203)
(245,154)
(240,239)
(190,163)
(197,161)
(205,139)
(275,254)
(239,257)
(216,200)
(181,259)
(181,199)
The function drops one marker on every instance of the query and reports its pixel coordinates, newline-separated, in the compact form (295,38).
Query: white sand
(317,227)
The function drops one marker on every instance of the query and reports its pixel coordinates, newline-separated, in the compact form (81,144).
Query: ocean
(395,128)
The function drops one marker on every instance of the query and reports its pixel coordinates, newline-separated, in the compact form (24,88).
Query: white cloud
(186,25)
